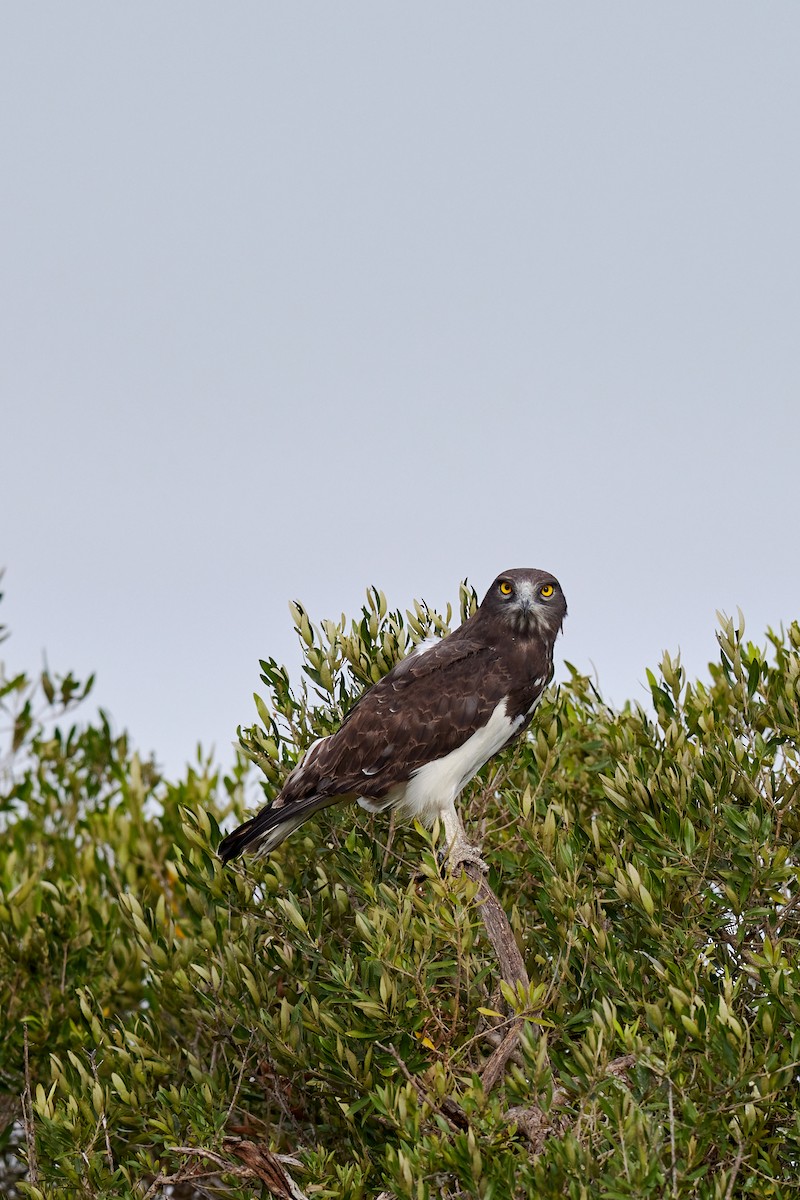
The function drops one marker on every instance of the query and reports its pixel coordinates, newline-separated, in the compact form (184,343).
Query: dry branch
(260,1164)
(27,1117)
(538,1125)
(512,969)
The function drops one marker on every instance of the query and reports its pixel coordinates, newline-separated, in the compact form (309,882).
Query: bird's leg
(459,849)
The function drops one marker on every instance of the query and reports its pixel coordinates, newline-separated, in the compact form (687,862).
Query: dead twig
(673,1157)
(538,1125)
(103,1121)
(452,1112)
(260,1164)
(389,839)
(184,1175)
(267,1167)
(734,1172)
(237,1089)
(27,1117)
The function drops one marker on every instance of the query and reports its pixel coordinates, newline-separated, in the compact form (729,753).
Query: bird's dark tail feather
(263,832)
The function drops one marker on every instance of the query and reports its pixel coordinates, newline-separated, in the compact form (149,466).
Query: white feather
(422,647)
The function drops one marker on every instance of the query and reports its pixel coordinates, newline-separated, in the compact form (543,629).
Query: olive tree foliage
(317,1024)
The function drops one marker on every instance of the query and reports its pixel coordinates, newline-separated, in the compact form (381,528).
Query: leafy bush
(170,1026)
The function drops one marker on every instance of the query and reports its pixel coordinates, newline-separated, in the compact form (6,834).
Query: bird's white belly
(433,788)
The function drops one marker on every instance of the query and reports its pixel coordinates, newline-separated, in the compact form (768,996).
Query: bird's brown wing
(428,705)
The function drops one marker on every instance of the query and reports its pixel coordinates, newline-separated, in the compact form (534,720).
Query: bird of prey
(415,739)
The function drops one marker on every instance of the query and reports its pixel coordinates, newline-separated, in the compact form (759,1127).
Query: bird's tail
(263,832)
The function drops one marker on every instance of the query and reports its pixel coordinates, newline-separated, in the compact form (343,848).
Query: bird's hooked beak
(525,599)
(526,612)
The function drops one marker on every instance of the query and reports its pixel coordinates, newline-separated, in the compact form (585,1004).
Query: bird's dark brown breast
(532,673)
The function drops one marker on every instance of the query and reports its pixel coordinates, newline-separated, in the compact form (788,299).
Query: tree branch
(538,1125)
(512,969)
(27,1117)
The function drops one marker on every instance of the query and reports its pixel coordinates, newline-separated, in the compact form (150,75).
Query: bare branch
(538,1125)
(260,1164)
(512,969)
(501,935)
(452,1112)
(27,1117)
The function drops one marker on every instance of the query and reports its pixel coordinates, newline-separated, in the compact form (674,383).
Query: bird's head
(529,600)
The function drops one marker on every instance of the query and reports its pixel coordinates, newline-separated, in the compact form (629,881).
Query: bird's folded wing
(427,706)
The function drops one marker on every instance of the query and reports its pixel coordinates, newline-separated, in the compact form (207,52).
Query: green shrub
(165,1018)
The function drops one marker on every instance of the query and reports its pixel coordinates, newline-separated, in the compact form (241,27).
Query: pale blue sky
(299,298)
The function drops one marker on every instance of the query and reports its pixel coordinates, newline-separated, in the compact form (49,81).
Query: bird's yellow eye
(546,591)
(506,588)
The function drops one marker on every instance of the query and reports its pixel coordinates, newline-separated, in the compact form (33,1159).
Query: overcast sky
(298,298)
